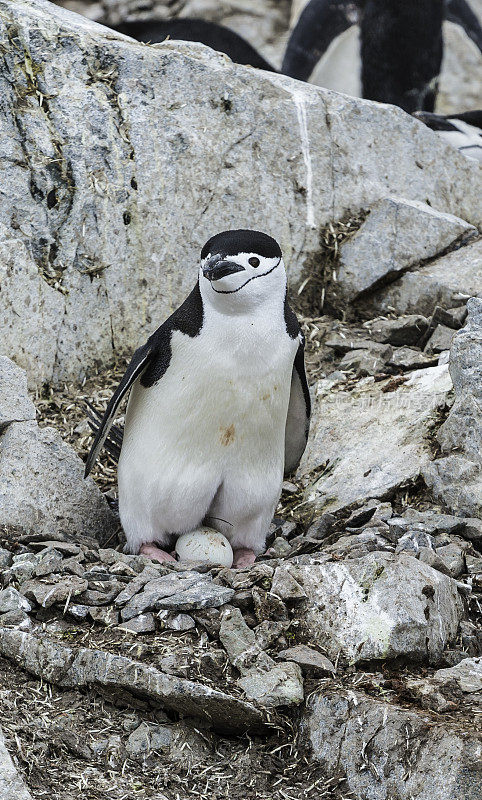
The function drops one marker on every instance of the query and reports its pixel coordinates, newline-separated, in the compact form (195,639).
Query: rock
(42,487)
(473,564)
(353,341)
(135,585)
(446,282)
(396,235)
(467,674)
(16,619)
(456,478)
(440,340)
(104,616)
(413,541)
(373,439)
(308,659)
(50,561)
(362,363)
(434,522)
(12,600)
(281,685)
(204,594)
(83,667)
(405,330)
(453,558)
(286,586)
(406,358)
(380,606)
(15,404)
(101,289)
(5,558)
(47,593)
(473,530)
(241,644)
(12,786)
(321,527)
(176,622)
(144,623)
(280,548)
(156,589)
(139,742)
(386,751)
(451,317)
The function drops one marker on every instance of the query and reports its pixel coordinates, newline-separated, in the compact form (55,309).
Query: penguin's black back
(216,36)
(401,52)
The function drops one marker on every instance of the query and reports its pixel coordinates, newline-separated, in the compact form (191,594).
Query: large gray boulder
(380,606)
(397,235)
(116,177)
(456,478)
(447,282)
(389,752)
(373,438)
(42,489)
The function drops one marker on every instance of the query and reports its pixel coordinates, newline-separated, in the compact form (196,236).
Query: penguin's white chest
(224,397)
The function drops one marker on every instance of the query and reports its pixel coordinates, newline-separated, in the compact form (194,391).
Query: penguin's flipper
(299,411)
(151,360)
(138,364)
(113,442)
(459,11)
(320,22)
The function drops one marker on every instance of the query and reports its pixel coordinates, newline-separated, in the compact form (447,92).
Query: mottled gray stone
(396,235)
(467,674)
(374,440)
(47,593)
(70,668)
(12,600)
(42,487)
(5,558)
(390,752)
(281,685)
(404,330)
(119,112)
(309,659)
(362,363)
(241,643)
(440,340)
(447,282)
(144,623)
(433,521)
(379,606)
(15,404)
(406,358)
(12,786)
(457,478)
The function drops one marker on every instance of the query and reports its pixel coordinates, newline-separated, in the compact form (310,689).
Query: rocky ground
(347,663)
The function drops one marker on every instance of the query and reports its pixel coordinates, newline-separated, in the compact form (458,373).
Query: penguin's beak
(216,268)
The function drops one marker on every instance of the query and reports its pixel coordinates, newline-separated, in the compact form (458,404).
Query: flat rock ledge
(85,667)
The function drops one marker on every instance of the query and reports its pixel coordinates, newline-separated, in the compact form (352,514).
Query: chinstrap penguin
(219,406)
(384,50)
(463,131)
(218,37)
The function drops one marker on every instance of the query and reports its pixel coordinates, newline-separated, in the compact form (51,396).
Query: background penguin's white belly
(219,411)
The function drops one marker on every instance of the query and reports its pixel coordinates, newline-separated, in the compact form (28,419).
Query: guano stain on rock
(228,435)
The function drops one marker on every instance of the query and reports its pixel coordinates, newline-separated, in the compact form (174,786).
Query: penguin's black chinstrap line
(233,291)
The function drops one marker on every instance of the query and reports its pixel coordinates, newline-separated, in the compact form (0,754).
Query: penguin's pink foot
(155,553)
(243,557)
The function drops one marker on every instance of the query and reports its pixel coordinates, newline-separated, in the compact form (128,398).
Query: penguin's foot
(155,553)
(243,557)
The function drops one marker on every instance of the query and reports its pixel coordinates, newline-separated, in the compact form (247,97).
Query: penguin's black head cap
(253,253)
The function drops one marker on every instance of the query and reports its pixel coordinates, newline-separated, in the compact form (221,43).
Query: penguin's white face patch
(231,273)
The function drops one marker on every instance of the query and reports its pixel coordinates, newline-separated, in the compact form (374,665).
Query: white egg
(206,546)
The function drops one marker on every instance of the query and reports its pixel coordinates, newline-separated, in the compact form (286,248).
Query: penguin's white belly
(216,418)
(339,68)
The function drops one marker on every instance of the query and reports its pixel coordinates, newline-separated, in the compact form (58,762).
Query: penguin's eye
(254,261)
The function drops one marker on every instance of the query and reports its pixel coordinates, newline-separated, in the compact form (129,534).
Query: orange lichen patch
(227,435)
